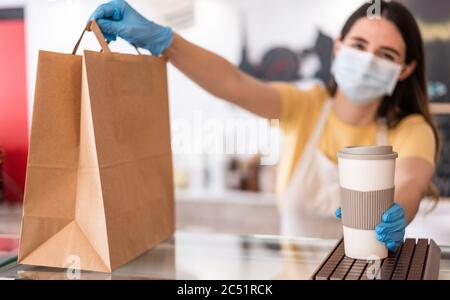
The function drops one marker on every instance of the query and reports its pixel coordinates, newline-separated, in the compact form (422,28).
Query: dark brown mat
(414,260)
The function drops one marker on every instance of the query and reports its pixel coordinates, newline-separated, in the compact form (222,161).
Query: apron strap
(309,148)
(315,136)
(313,140)
(382,132)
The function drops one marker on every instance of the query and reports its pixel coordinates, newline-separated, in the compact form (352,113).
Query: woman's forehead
(378,32)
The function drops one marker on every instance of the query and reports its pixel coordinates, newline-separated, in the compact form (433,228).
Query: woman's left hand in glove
(391,230)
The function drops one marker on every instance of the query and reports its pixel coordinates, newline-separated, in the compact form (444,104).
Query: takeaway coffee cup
(366,177)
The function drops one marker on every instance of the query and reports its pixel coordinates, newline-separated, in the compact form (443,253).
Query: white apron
(312,197)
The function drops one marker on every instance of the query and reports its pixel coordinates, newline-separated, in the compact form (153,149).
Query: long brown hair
(411,95)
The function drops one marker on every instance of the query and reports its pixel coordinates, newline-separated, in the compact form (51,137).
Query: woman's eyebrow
(390,49)
(360,39)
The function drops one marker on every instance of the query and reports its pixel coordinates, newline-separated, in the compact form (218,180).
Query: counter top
(211,256)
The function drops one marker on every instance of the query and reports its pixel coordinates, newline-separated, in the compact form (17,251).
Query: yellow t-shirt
(412,137)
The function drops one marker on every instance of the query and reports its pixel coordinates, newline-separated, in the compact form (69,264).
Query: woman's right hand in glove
(118,19)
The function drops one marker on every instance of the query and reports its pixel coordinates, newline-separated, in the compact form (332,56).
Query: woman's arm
(412,178)
(210,71)
(222,79)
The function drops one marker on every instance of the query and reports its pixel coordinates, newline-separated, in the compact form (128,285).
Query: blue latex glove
(391,230)
(118,18)
(338,213)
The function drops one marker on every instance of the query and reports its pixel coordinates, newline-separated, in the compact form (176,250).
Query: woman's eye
(359,46)
(388,57)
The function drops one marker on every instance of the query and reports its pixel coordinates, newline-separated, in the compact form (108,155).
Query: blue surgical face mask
(364,77)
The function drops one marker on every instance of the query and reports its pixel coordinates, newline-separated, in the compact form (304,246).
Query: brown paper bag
(99,188)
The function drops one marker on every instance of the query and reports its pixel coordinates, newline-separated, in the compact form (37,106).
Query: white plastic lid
(368,153)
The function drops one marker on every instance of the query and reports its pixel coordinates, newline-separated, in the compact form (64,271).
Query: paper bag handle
(93,26)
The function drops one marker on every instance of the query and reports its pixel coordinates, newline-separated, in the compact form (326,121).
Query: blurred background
(282,40)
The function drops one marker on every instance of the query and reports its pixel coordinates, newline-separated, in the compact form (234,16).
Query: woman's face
(380,37)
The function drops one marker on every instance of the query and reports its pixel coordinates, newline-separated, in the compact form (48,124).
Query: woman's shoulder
(412,122)
(413,136)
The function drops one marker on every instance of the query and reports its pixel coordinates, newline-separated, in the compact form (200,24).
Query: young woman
(378,96)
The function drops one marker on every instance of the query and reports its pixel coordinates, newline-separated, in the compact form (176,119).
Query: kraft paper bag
(99,188)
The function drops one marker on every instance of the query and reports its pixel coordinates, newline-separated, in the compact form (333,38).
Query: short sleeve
(414,137)
(298,105)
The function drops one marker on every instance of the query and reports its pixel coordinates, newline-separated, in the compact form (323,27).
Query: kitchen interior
(217,194)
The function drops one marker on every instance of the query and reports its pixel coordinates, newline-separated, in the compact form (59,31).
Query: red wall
(13,107)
